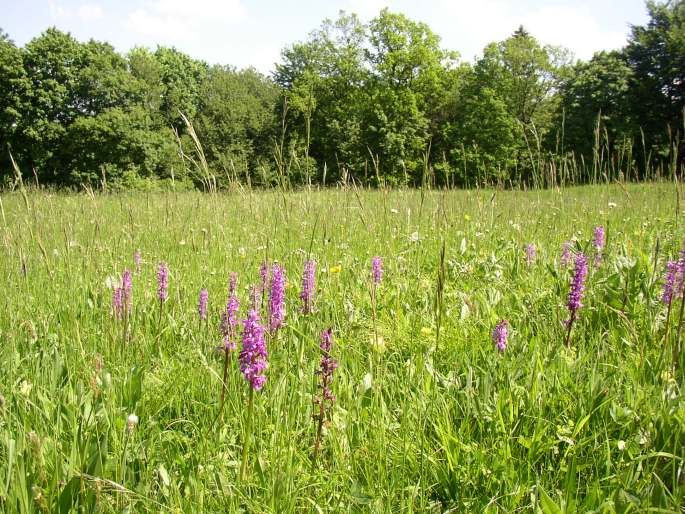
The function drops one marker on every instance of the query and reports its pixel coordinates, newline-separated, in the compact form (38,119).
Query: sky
(246,33)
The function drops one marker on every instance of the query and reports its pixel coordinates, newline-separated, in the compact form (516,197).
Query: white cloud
(85,12)
(367,9)
(150,25)
(57,11)
(469,26)
(573,28)
(174,20)
(262,57)
(90,12)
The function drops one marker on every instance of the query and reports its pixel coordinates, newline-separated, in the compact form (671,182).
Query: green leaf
(547,504)
(68,495)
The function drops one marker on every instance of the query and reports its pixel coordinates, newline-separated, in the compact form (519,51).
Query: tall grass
(441,422)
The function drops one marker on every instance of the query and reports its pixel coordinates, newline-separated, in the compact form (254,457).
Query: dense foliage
(380,103)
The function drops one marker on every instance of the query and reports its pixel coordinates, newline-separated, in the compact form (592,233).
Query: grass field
(429,416)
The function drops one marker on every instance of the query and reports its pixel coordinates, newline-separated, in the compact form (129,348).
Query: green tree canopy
(656,56)
(595,96)
(236,118)
(377,102)
(15,91)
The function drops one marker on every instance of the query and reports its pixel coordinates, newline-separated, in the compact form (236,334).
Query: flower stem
(248,431)
(666,332)
(319,427)
(668,322)
(373,310)
(223,384)
(676,344)
(568,333)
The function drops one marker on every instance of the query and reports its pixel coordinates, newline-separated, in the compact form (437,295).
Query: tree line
(379,103)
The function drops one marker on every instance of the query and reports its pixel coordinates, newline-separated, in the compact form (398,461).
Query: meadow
(112,404)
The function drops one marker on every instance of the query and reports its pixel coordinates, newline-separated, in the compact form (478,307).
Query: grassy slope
(419,424)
